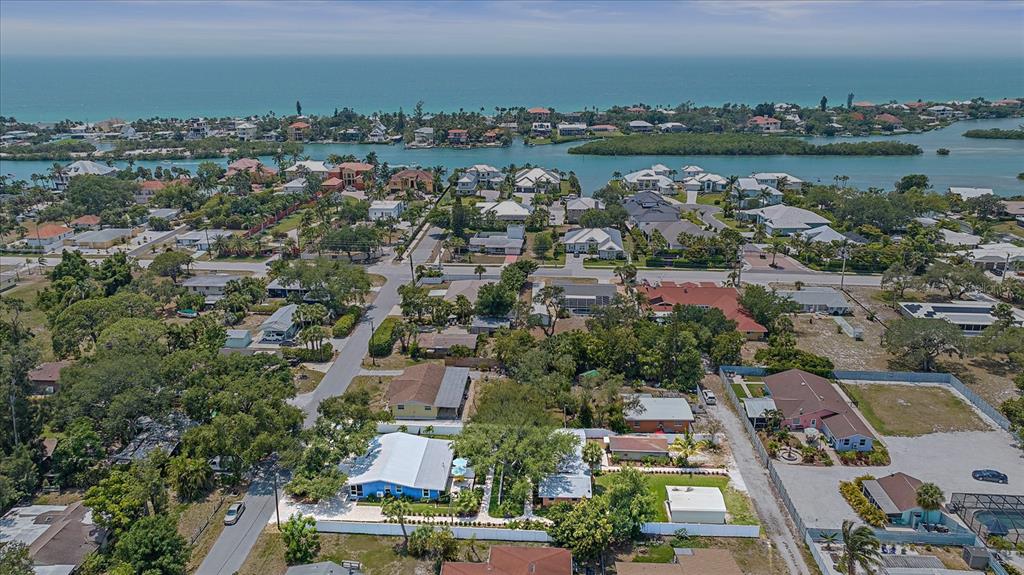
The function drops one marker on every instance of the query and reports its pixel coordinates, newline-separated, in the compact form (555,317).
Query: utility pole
(373,358)
(412,269)
(14,414)
(842,277)
(277,504)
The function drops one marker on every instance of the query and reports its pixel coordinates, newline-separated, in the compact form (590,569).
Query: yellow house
(428,391)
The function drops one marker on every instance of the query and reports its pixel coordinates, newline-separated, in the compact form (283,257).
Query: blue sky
(297,27)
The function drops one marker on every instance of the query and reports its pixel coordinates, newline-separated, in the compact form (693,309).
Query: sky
(171,28)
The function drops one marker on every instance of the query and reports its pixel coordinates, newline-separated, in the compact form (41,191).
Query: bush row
(346,323)
(325,353)
(382,342)
(866,510)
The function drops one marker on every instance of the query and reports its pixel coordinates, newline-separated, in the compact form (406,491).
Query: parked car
(709,397)
(234,512)
(990,475)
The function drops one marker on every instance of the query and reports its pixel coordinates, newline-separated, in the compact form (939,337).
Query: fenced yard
(736,502)
(912,410)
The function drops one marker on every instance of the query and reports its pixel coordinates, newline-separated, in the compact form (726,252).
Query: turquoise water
(51,89)
(980,163)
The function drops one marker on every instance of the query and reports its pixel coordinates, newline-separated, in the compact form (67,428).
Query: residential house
(86,222)
(827,235)
(458,136)
(401,464)
(970,193)
(211,286)
(583,299)
(811,401)
(784,220)
(778,180)
(45,378)
(468,288)
(386,209)
(281,325)
(659,415)
(169,214)
(332,184)
(896,496)
(201,240)
(764,124)
(428,391)
(423,136)
(58,537)
(440,344)
(686,562)
(887,119)
(510,242)
(649,180)
(246,131)
(147,190)
(296,186)
(539,113)
(941,112)
(540,129)
(691,171)
(959,239)
(513,560)
(671,127)
(605,243)
(757,410)
(705,183)
(257,171)
(571,130)
(576,207)
(298,131)
(603,128)
(307,167)
(819,300)
(48,236)
(972,317)
(238,339)
(198,129)
(572,481)
(505,211)
(533,180)
(491,136)
(103,239)
(278,289)
(640,126)
(638,447)
(154,436)
(751,193)
(661,298)
(650,206)
(671,231)
(410,179)
(62,179)
(378,133)
(997,256)
(353,174)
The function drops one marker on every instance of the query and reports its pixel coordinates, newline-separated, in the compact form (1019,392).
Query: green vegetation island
(996,134)
(736,145)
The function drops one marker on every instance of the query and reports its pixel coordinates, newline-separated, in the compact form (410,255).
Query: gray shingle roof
(660,409)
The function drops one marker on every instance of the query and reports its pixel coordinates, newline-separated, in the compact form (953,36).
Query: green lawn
(912,410)
(656,554)
(288,224)
(709,199)
(739,390)
(33,317)
(736,502)
(756,389)
(417,508)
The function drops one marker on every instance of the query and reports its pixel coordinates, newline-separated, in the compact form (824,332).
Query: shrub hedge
(866,510)
(325,353)
(346,323)
(382,342)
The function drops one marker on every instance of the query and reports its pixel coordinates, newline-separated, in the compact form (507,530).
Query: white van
(709,397)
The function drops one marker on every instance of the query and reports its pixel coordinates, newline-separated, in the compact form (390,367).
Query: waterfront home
(512,560)
(147,189)
(658,414)
(257,171)
(458,136)
(970,193)
(640,126)
(661,298)
(45,378)
(576,207)
(887,119)
(306,167)
(784,220)
(706,183)
(245,131)
(211,286)
(638,447)
(509,242)
(385,209)
(672,230)
(751,193)
(650,206)
(650,179)
(281,325)
(296,186)
(201,240)
(428,391)
(485,174)
(103,239)
(572,481)
(571,129)
(466,185)
(997,256)
(440,344)
(504,211)
(298,131)
(941,112)
(778,180)
(819,300)
(764,124)
(671,127)
(62,179)
(400,464)
(539,113)
(972,317)
(332,184)
(198,129)
(491,136)
(378,133)
(603,128)
(811,401)
(691,171)
(86,222)
(48,236)
(605,243)
(353,174)
(533,180)
(410,179)
(896,496)
(540,129)
(423,136)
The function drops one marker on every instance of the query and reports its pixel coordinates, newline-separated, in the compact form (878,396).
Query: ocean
(52,89)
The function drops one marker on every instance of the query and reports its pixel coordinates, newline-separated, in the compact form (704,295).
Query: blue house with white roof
(400,464)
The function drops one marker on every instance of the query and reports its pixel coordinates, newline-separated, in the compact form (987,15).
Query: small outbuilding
(690,504)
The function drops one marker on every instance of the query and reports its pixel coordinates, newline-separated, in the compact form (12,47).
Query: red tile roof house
(351,173)
(765,124)
(86,222)
(47,235)
(256,169)
(147,190)
(663,297)
(888,120)
(512,560)
(807,400)
(410,179)
(637,447)
(458,136)
(298,131)
(539,113)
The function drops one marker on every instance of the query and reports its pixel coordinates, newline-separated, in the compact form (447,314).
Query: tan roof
(638,443)
(418,383)
(86,220)
(355,166)
(48,372)
(693,562)
(1014,207)
(445,340)
(512,560)
(901,489)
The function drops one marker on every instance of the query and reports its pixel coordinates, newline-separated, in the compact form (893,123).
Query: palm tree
(397,509)
(775,246)
(830,539)
(479,270)
(929,498)
(860,548)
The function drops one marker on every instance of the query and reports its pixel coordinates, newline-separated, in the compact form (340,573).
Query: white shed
(688,504)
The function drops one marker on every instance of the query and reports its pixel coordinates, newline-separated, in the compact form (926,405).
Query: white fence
(394,529)
(417,427)
(705,529)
